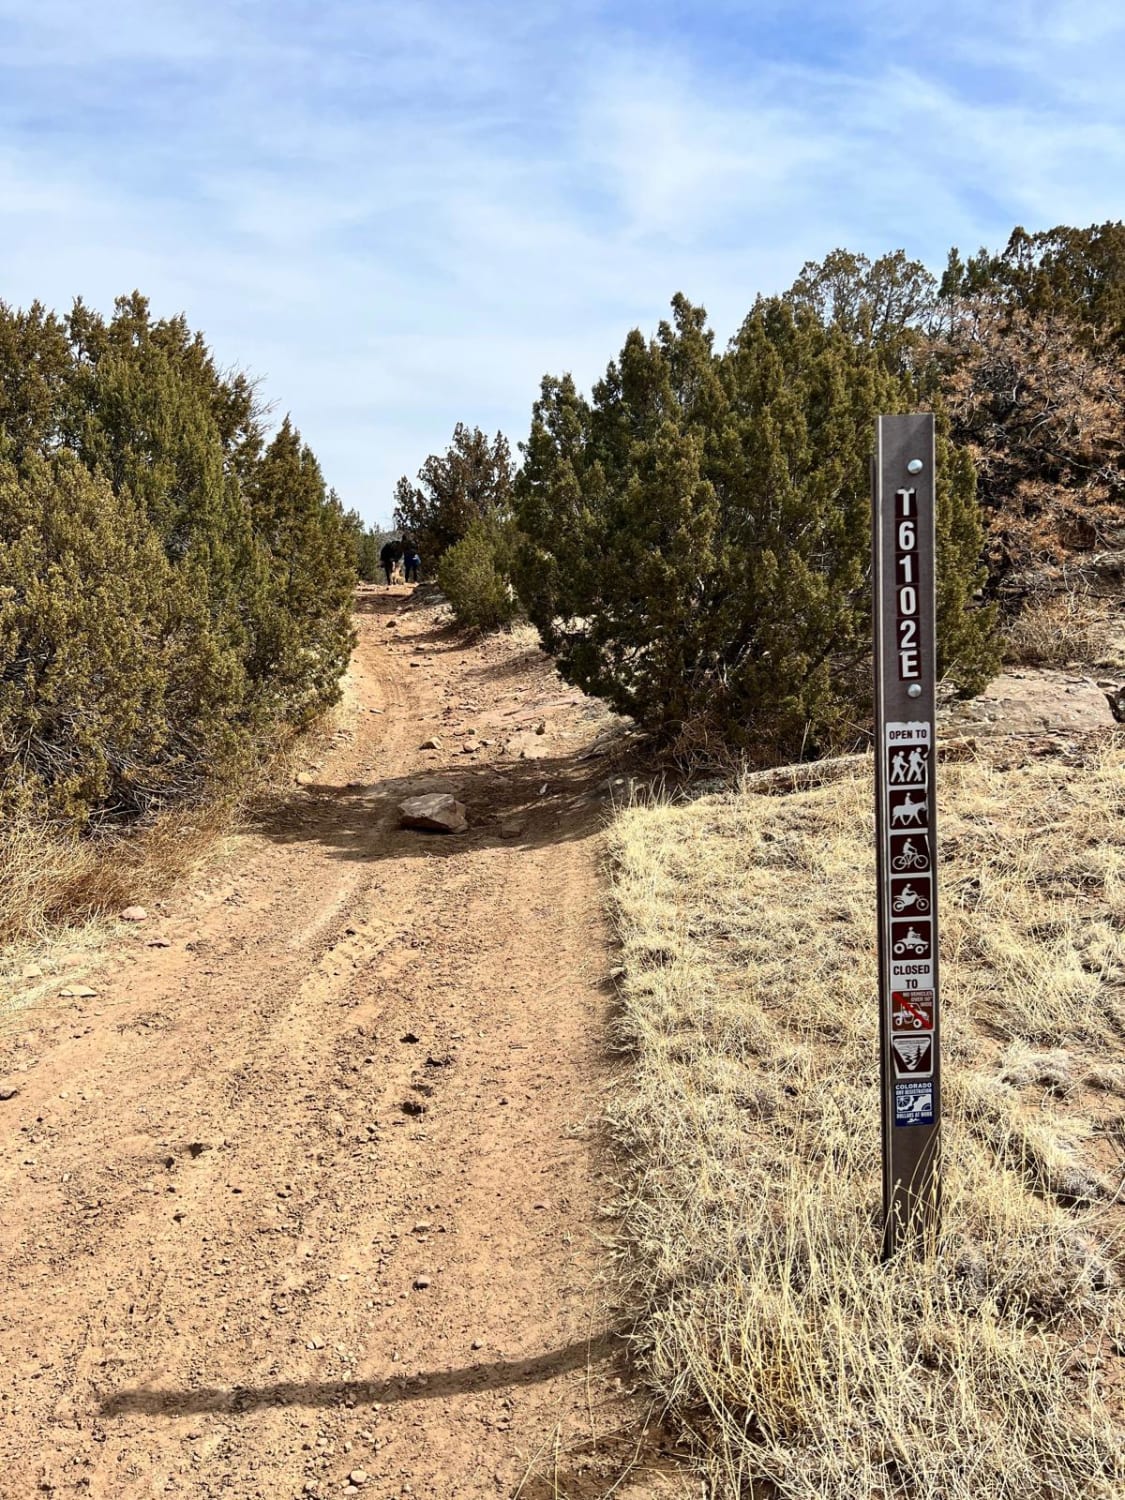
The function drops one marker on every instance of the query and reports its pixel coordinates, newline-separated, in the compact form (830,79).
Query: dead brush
(53,877)
(797,1364)
(1071,626)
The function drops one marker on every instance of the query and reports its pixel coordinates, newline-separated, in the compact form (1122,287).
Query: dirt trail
(233,1261)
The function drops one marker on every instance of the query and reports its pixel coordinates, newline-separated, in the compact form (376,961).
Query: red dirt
(316,1188)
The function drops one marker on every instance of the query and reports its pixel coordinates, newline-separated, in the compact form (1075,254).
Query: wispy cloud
(402,216)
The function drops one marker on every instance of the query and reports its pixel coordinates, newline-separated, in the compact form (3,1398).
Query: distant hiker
(412,563)
(390,556)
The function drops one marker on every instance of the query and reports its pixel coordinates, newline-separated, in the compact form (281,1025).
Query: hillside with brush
(794,1364)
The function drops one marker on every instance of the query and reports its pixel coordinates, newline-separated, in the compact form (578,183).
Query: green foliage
(475,576)
(304,635)
(1078,274)
(114,696)
(697,537)
(471,482)
(1023,348)
(884,302)
(363,541)
(169,593)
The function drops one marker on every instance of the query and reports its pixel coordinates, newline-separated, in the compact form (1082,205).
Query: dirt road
(306,1202)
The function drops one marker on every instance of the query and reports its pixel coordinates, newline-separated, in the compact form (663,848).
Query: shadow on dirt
(378,599)
(435,1385)
(534,802)
(517,666)
(381,601)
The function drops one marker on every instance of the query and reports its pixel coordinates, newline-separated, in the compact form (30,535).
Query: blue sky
(399,216)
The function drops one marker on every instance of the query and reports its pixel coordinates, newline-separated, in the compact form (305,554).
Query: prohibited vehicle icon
(912,1010)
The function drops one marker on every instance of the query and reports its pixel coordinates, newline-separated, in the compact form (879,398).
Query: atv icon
(911,942)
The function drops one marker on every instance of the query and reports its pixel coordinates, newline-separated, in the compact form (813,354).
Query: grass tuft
(53,877)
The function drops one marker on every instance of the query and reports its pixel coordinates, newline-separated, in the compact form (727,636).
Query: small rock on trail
(438,812)
(133,914)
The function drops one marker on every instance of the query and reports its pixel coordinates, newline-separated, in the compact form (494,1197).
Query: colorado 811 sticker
(914,1102)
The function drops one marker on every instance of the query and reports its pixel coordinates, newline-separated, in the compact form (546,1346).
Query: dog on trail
(390,560)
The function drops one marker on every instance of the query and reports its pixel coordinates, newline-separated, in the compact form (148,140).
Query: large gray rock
(1033,701)
(438,812)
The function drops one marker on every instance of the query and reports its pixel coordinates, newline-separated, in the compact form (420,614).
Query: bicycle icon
(910,857)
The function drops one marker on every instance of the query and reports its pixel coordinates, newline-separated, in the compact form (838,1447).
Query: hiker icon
(909,768)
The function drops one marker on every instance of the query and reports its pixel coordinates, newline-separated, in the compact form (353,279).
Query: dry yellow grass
(1072,626)
(52,877)
(801,1367)
(59,894)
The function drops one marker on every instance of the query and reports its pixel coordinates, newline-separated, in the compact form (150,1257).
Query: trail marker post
(906,828)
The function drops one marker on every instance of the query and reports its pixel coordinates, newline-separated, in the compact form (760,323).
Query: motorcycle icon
(909,858)
(909,897)
(911,942)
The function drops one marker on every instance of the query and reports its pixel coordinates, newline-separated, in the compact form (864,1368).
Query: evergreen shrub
(174,592)
(474,575)
(697,536)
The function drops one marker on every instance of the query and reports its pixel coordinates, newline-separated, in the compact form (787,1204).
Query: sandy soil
(314,1191)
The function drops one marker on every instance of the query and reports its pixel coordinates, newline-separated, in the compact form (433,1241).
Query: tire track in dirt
(233,1262)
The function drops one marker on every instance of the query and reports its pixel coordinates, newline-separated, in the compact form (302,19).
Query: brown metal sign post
(906,830)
